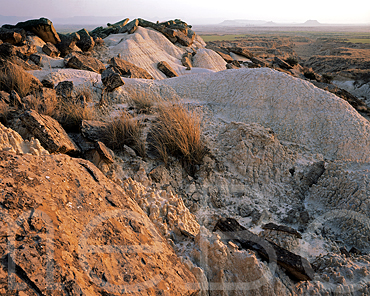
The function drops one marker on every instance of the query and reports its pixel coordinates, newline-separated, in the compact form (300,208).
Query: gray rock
(165,68)
(111,79)
(36,59)
(65,89)
(49,132)
(50,49)
(68,43)
(93,129)
(82,62)
(86,42)
(186,60)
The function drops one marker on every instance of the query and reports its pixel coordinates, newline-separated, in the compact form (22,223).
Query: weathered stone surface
(128,69)
(258,61)
(82,62)
(119,24)
(105,153)
(93,129)
(65,89)
(186,60)
(81,233)
(68,43)
(49,132)
(166,69)
(4,96)
(241,51)
(51,50)
(42,27)
(233,65)
(130,27)
(296,266)
(111,78)
(282,64)
(282,228)
(37,59)
(86,42)
(11,141)
(8,50)
(225,56)
(10,36)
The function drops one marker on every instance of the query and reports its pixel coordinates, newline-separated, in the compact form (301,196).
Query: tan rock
(128,69)
(50,133)
(79,232)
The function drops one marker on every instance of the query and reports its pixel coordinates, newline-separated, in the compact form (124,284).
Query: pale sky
(196,11)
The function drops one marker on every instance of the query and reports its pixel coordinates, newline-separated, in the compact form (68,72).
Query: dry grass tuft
(71,113)
(4,110)
(125,130)
(143,101)
(177,132)
(13,77)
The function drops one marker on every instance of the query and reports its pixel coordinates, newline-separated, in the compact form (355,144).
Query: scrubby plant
(13,77)
(143,101)
(71,113)
(292,61)
(177,132)
(125,130)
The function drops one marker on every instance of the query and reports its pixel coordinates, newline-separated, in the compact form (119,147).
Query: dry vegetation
(143,101)
(125,130)
(15,78)
(4,109)
(177,132)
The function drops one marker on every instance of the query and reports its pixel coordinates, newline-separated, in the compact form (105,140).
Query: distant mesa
(312,23)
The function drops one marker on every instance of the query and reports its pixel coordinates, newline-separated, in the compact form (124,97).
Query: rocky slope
(278,150)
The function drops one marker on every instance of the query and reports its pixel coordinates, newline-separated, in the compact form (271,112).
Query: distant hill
(312,23)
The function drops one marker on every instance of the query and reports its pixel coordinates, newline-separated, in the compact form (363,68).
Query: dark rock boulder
(42,27)
(68,43)
(11,36)
(93,130)
(111,79)
(258,62)
(233,65)
(36,59)
(225,56)
(51,50)
(47,83)
(241,51)
(296,266)
(186,60)
(65,89)
(121,23)
(129,70)
(82,62)
(281,228)
(15,100)
(165,68)
(86,42)
(131,27)
(49,132)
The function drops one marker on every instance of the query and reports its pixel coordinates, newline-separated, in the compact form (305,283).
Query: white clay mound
(294,109)
(146,47)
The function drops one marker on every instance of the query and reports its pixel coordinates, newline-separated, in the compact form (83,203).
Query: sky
(196,11)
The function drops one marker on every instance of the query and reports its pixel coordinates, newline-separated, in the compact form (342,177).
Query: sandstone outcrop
(11,36)
(66,239)
(86,42)
(128,70)
(50,49)
(68,43)
(49,132)
(111,79)
(164,67)
(42,27)
(79,61)
(11,141)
